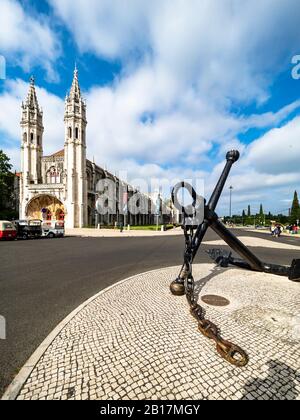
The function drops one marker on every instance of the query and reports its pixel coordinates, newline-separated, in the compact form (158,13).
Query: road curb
(16,385)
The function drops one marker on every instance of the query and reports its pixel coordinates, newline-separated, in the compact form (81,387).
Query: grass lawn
(149,227)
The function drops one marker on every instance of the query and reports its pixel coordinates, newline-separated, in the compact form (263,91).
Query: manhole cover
(215,300)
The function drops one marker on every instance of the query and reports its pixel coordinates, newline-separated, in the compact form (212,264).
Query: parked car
(53,230)
(28,229)
(7,230)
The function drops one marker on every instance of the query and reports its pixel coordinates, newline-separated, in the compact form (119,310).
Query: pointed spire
(31,100)
(75,89)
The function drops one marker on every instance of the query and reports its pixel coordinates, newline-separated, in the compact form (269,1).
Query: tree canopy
(6,187)
(295,210)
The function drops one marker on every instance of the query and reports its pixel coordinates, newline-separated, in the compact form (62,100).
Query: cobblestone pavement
(256,242)
(137,341)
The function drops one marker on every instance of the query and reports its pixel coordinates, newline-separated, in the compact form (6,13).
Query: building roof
(60,153)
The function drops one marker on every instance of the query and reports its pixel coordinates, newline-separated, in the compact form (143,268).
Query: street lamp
(230,198)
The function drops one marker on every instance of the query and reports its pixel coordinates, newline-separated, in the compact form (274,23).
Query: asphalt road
(42,281)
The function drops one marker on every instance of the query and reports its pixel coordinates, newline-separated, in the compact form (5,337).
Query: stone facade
(62,186)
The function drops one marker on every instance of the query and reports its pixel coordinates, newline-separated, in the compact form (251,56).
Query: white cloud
(165,144)
(225,49)
(184,65)
(141,117)
(27,40)
(278,151)
(268,171)
(111,29)
(170,110)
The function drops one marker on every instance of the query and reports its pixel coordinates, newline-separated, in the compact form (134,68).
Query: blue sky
(170,85)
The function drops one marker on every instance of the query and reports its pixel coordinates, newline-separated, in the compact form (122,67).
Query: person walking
(274,230)
(278,231)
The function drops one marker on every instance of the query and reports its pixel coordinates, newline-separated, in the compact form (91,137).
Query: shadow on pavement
(278,385)
(200,284)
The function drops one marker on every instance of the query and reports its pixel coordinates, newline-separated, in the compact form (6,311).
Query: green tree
(261,210)
(249,211)
(261,216)
(6,185)
(295,210)
(244,218)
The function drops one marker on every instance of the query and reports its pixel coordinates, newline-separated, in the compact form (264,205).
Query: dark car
(28,229)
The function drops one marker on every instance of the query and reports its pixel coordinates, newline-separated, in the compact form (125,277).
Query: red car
(7,230)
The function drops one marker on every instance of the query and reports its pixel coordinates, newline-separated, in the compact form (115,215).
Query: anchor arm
(250,261)
(236,244)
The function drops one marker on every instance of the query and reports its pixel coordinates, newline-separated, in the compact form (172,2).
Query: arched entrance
(45,207)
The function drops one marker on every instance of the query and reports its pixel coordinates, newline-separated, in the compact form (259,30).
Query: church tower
(75,156)
(32,137)
(31,144)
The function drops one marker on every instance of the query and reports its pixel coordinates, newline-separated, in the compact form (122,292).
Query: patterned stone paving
(137,341)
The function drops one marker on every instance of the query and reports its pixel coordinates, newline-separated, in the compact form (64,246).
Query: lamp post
(230,200)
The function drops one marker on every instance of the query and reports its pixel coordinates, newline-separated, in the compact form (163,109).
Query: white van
(53,229)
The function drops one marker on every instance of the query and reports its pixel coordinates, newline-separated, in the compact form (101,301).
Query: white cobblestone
(138,341)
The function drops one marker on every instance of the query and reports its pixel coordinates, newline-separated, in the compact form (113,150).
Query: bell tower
(32,137)
(31,145)
(75,156)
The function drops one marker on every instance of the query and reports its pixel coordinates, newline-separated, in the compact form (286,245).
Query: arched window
(53,176)
(60,215)
(25,137)
(70,132)
(76,132)
(31,137)
(38,140)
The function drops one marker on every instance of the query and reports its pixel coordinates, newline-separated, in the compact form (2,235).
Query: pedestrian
(121,227)
(273,229)
(278,231)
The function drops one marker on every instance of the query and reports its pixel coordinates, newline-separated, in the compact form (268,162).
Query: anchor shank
(214,199)
(231,157)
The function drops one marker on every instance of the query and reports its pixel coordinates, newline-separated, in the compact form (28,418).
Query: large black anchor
(197,218)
